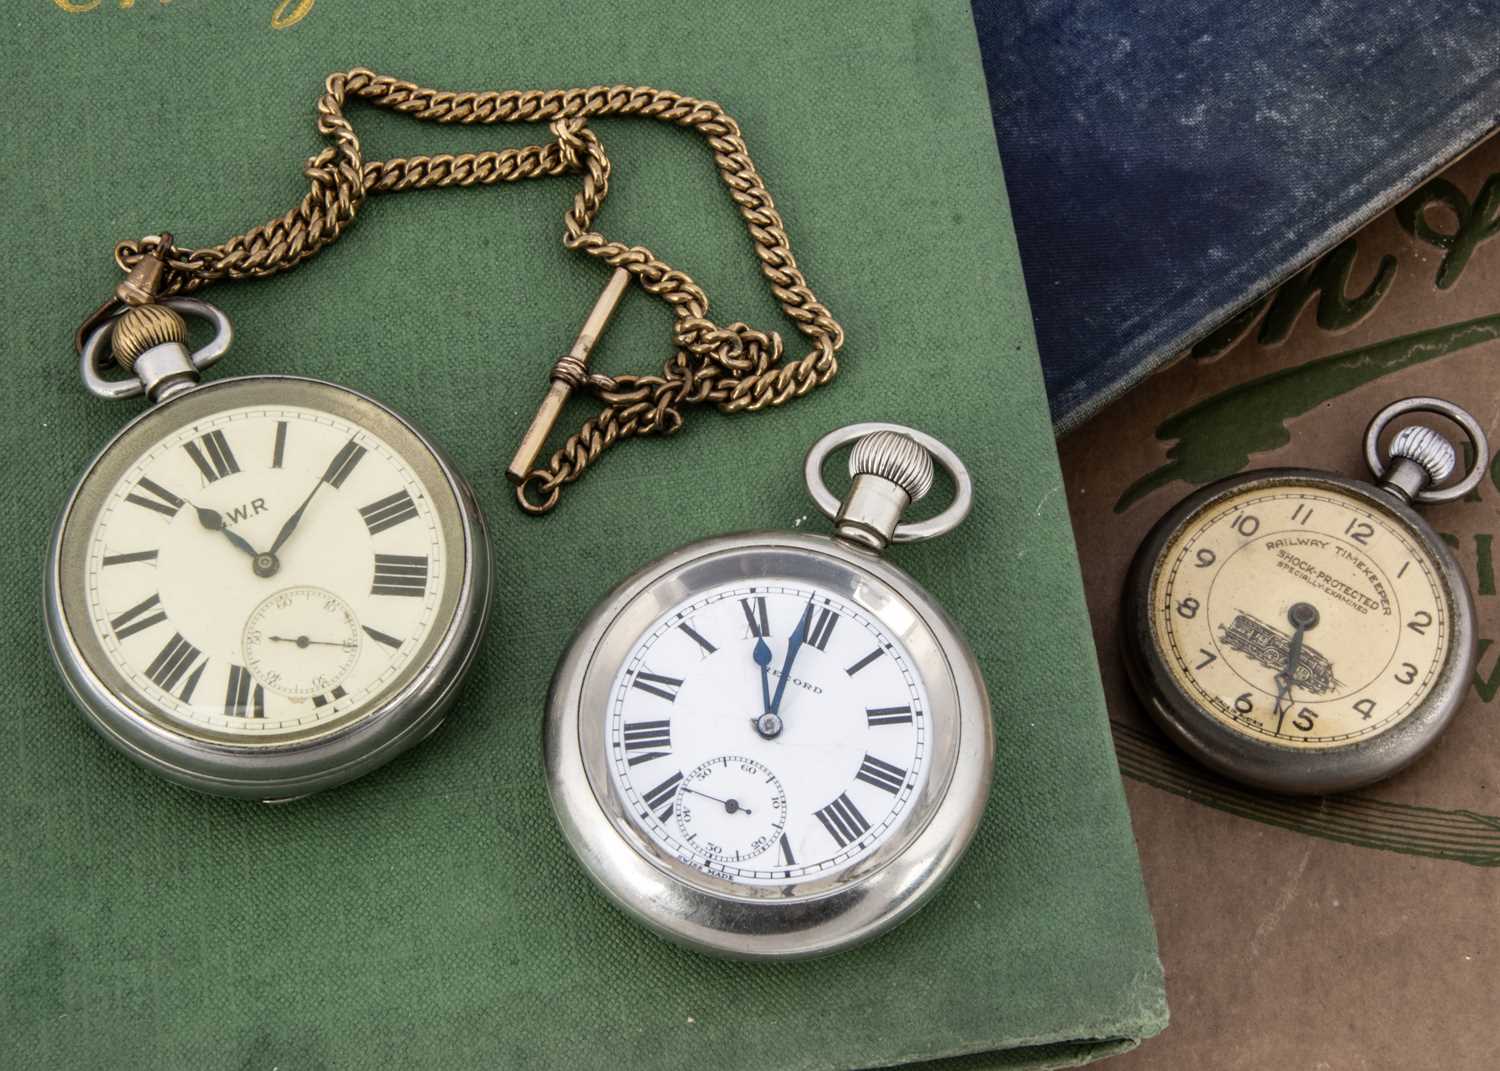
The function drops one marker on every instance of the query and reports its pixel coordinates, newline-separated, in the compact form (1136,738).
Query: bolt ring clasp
(1438,407)
(828,503)
(202,358)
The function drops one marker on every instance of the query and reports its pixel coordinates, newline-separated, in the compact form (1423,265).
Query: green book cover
(430,914)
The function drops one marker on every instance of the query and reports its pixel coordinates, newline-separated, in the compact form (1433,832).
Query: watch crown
(895,457)
(144,327)
(1427,448)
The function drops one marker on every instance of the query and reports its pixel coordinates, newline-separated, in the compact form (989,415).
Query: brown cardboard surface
(1362,931)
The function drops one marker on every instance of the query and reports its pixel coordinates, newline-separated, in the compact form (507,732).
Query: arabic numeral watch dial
(776,744)
(1304,632)
(263,586)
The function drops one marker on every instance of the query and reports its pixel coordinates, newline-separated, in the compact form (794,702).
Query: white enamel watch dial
(265,586)
(265,570)
(829,787)
(777,744)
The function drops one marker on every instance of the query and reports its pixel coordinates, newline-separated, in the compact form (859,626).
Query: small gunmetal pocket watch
(1304,632)
(264,586)
(776,744)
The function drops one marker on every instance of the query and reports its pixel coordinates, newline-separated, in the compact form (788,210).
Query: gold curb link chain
(733,366)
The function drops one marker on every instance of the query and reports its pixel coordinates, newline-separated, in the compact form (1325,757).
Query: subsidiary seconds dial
(731,809)
(302,642)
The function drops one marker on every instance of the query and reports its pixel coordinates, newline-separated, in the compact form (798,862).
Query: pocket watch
(262,586)
(1304,632)
(776,744)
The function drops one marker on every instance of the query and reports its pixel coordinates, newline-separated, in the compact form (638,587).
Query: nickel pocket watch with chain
(776,744)
(266,586)
(1302,631)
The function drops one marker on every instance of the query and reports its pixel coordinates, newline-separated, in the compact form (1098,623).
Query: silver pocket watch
(776,744)
(262,586)
(1305,632)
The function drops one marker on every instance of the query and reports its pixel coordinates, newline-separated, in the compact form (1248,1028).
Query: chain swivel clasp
(143,283)
(570,371)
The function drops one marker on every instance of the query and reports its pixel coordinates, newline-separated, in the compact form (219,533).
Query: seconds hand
(730,806)
(303,641)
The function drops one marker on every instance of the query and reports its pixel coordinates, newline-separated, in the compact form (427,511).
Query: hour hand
(762,655)
(214,522)
(767,723)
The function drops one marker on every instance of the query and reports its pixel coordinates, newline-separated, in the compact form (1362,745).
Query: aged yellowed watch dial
(1301,615)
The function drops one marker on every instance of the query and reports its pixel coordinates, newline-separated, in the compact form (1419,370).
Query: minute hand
(1288,676)
(291,522)
(793,645)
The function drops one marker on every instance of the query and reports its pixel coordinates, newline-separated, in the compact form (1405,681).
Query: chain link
(733,366)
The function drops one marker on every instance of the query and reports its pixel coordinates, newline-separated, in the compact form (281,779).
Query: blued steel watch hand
(214,522)
(1284,691)
(1303,617)
(762,656)
(793,645)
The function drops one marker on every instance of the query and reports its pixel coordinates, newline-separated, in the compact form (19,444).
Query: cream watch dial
(265,571)
(712,789)
(1301,616)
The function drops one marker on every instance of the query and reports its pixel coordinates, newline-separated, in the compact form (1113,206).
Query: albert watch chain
(268,585)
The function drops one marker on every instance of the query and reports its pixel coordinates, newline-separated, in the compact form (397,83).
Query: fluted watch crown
(1427,448)
(895,457)
(144,327)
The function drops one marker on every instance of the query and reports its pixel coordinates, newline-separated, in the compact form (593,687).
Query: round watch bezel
(813,915)
(295,764)
(1267,764)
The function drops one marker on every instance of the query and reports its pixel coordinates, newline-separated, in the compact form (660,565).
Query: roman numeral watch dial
(265,586)
(1304,632)
(711,787)
(777,744)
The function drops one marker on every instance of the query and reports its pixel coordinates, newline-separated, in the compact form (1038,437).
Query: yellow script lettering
(290,12)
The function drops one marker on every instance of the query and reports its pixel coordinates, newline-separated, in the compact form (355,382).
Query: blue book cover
(1168,166)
